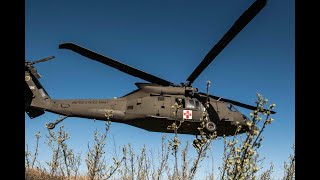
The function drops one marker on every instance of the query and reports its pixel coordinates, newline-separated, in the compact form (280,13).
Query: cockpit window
(191,104)
(231,108)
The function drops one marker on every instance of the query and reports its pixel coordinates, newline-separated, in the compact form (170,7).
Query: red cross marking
(187,114)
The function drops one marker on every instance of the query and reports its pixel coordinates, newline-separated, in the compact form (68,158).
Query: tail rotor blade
(42,60)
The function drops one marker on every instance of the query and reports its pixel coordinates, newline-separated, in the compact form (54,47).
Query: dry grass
(37,174)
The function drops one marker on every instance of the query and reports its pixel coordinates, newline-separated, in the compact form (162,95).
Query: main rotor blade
(243,20)
(115,64)
(235,102)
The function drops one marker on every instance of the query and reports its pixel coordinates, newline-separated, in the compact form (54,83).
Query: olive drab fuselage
(150,107)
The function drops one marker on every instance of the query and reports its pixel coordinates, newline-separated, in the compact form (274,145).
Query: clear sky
(167,39)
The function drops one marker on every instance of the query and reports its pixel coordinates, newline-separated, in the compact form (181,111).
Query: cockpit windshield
(232,108)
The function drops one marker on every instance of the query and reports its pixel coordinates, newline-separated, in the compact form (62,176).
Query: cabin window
(197,104)
(181,100)
(191,104)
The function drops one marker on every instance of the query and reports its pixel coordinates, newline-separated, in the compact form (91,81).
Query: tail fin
(37,99)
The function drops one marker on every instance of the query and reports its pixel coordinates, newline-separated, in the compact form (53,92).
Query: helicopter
(149,106)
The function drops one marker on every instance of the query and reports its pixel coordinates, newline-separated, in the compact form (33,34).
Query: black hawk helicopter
(150,106)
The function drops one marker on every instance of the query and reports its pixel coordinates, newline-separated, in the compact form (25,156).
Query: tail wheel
(211,126)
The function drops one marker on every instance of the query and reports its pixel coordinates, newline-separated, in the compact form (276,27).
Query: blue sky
(167,39)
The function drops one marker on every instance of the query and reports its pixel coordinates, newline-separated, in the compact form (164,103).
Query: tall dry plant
(31,159)
(201,145)
(163,161)
(94,160)
(266,175)
(241,157)
(54,142)
(289,167)
(64,163)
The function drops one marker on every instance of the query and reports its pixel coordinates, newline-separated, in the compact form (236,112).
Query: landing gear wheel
(211,126)
(51,126)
